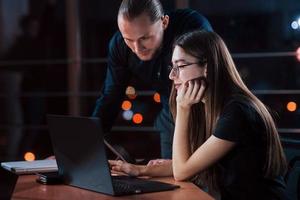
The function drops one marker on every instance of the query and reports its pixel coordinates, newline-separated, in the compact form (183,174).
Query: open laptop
(79,149)
(8,181)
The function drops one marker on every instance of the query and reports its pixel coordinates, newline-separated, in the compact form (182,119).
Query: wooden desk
(27,188)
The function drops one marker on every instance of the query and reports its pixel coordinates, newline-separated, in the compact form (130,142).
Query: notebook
(30,167)
(79,149)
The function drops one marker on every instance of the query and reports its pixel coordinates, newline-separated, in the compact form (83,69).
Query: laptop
(79,148)
(8,181)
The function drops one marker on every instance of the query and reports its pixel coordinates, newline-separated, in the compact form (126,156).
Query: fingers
(155,162)
(201,91)
(116,164)
(117,168)
(195,90)
(50,158)
(111,162)
(151,162)
(121,167)
(189,89)
(183,89)
(191,92)
(158,162)
(117,173)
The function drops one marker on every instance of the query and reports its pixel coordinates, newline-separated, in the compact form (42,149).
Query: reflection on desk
(28,188)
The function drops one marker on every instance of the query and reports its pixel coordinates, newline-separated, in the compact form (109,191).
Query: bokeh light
(131,92)
(294,25)
(291,106)
(156,97)
(298,54)
(29,156)
(127,115)
(126,105)
(137,118)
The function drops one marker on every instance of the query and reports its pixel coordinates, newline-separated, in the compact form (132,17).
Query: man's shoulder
(117,39)
(186,12)
(117,45)
(188,19)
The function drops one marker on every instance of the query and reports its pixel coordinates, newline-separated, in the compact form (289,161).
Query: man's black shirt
(123,65)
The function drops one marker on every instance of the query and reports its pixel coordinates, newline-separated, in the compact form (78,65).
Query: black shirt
(242,175)
(123,65)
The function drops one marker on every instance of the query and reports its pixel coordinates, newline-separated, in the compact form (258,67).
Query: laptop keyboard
(133,185)
(121,187)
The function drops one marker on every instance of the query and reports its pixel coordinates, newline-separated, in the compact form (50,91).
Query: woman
(225,138)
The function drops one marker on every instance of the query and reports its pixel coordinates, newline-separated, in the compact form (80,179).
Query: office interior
(53,61)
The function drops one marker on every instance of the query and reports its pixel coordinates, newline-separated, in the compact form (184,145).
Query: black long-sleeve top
(123,65)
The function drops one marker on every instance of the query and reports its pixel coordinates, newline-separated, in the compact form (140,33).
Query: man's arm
(117,78)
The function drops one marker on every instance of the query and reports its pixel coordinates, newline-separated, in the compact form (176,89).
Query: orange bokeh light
(126,105)
(291,106)
(156,97)
(298,54)
(137,118)
(29,156)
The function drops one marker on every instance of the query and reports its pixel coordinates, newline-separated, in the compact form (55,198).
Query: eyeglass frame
(177,67)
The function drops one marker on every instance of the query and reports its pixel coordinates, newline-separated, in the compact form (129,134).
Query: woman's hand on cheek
(190,93)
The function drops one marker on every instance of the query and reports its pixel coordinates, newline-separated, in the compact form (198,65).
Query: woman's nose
(172,75)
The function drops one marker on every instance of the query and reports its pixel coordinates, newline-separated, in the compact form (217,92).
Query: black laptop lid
(80,154)
(8,181)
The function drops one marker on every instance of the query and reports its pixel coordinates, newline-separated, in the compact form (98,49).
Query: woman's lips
(177,86)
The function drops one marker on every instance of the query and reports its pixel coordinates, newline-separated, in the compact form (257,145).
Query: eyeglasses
(176,68)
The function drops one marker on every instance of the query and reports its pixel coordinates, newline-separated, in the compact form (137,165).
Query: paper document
(30,167)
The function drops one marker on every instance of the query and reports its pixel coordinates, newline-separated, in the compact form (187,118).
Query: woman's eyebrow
(180,60)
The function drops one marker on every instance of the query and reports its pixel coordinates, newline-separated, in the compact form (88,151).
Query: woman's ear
(165,21)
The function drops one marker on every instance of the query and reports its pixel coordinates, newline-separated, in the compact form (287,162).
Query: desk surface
(27,188)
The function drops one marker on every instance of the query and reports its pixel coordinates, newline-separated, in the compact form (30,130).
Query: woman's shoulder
(240,103)
(237,119)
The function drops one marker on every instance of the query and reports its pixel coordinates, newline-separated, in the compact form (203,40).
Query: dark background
(35,68)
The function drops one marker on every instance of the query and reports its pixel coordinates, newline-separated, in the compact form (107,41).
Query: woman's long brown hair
(223,81)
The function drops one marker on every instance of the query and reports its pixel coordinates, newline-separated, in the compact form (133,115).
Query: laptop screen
(79,148)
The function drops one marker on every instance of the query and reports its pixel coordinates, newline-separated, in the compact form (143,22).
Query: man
(142,49)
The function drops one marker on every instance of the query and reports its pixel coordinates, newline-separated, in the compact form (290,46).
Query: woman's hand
(154,169)
(159,162)
(121,167)
(50,158)
(191,93)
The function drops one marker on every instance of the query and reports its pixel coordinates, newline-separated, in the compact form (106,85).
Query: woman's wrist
(183,109)
(142,170)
